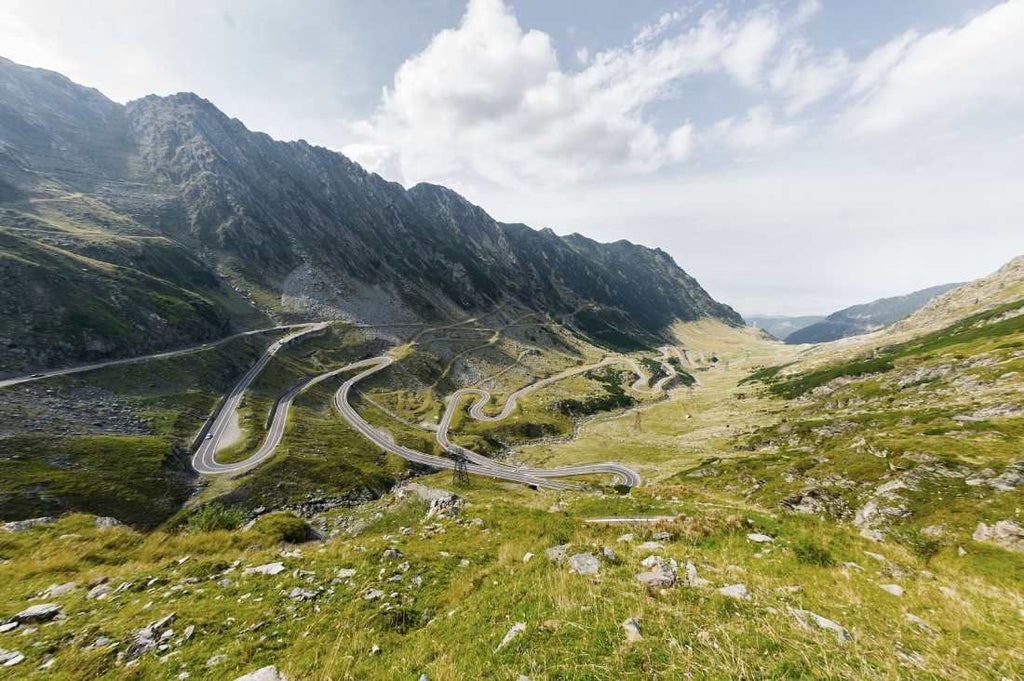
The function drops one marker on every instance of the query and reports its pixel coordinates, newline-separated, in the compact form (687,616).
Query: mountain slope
(916,434)
(304,232)
(1005,285)
(860,319)
(81,282)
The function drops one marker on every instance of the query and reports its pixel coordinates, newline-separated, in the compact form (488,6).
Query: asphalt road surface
(204,459)
(488,467)
(483,397)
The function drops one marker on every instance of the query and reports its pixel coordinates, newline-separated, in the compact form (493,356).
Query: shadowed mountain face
(287,229)
(866,318)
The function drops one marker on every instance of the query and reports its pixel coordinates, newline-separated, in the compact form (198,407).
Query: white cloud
(21,42)
(807,10)
(804,77)
(680,142)
(877,65)
(945,76)
(480,71)
(757,131)
(649,32)
(488,100)
(751,45)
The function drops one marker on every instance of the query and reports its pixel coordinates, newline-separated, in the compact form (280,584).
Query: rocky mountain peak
(51,125)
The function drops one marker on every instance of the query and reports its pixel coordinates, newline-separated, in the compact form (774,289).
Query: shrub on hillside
(215,517)
(810,553)
(695,529)
(275,528)
(922,545)
(612,397)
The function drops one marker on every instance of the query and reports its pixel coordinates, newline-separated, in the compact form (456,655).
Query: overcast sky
(795,156)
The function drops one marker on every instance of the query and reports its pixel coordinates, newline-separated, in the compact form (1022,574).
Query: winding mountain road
(483,398)
(486,467)
(204,459)
(144,358)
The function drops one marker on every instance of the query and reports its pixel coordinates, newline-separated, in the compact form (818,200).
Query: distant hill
(781,326)
(861,319)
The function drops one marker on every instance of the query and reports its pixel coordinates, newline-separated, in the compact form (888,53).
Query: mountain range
(865,318)
(850,321)
(130,228)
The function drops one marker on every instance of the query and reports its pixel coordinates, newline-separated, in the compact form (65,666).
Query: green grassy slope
(73,462)
(924,440)
(461,584)
(143,479)
(919,441)
(86,286)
